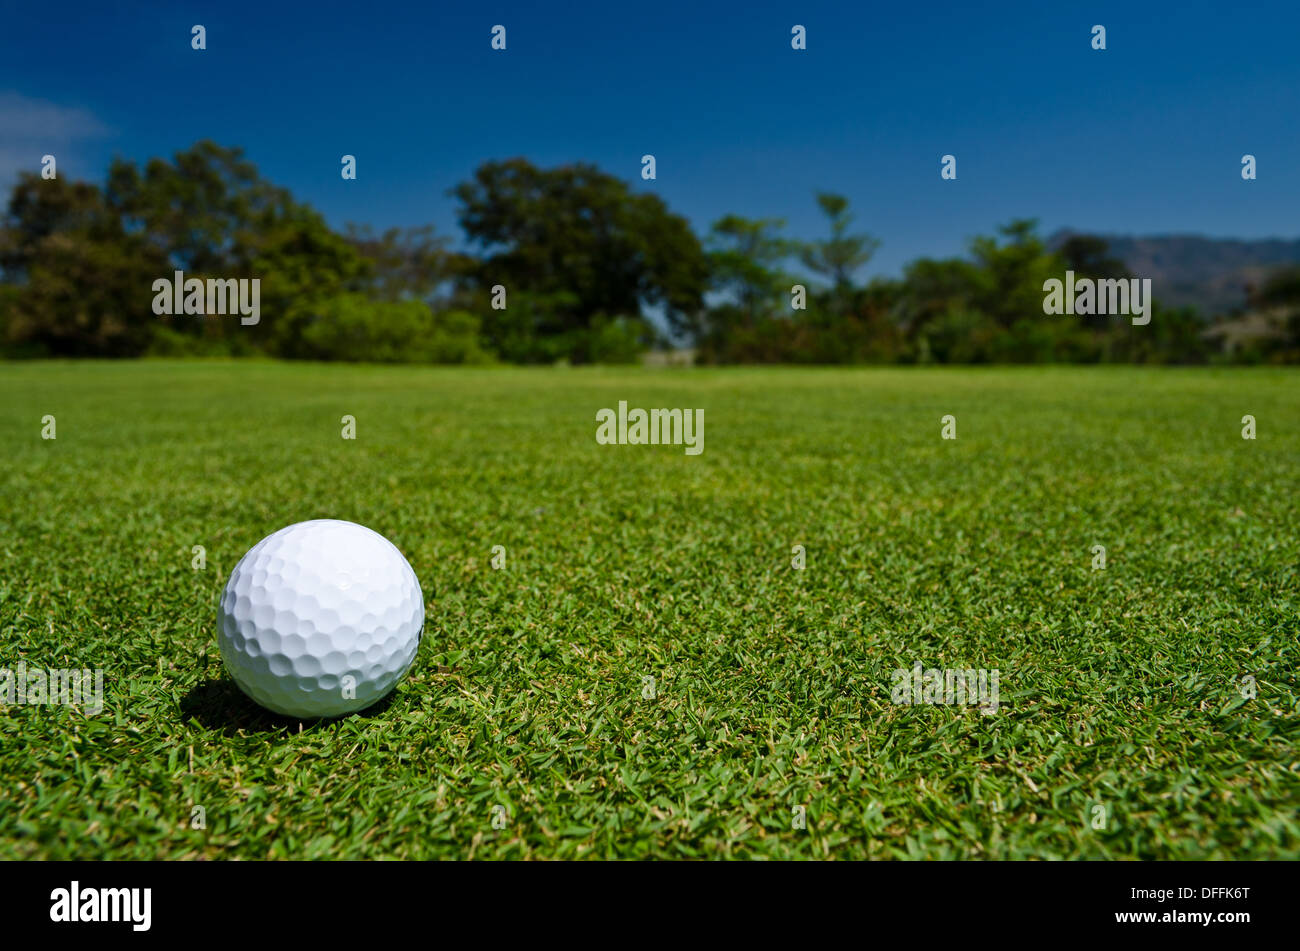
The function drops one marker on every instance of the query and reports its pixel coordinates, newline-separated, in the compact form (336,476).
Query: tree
(302,265)
(405,263)
(932,288)
(747,325)
(581,249)
(744,254)
(210,213)
(39,209)
(206,210)
(840,256)
(1089,256)
(1011,274)
(81,286)
(856,325)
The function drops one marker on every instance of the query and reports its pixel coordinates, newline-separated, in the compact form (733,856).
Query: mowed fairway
(1120,690)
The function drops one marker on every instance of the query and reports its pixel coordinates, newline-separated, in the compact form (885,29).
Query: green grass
(1119,688)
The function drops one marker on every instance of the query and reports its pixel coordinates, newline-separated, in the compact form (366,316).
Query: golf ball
(320,619)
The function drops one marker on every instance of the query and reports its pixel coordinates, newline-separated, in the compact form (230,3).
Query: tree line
(576,258)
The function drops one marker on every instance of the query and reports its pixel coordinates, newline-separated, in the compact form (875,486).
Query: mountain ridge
(1211,275)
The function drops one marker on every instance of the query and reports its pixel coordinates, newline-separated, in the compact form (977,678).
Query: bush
(621,340)
(959,335)
(354,328)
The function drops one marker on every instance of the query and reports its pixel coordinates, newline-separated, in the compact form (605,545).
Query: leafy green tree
(1089,256)
(990,308)
(302,264)
(1012,273)
(933,288)
(206,210)
(576,246)
(840,256)
(853,326)
(406,263)
(209,213)
(79,284)
(749,323)
(744,258)
(39,209)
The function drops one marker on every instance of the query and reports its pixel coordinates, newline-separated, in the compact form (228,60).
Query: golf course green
(645,672)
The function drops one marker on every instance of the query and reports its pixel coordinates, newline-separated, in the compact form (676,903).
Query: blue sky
(1144,138)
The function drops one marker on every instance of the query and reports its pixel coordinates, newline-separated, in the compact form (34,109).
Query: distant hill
(1209,274)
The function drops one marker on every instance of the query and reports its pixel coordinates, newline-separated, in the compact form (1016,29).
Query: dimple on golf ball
(320,619)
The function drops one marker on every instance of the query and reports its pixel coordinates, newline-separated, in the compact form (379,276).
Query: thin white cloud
(31,120)
(30,128)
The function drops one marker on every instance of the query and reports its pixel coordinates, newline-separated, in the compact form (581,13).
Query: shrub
(354,328)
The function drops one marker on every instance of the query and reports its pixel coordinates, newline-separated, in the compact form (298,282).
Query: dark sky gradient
(1143,138)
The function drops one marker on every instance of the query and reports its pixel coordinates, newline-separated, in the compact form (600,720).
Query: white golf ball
(320,619)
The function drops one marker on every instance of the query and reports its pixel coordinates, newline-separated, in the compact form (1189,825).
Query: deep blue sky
(1143,138)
